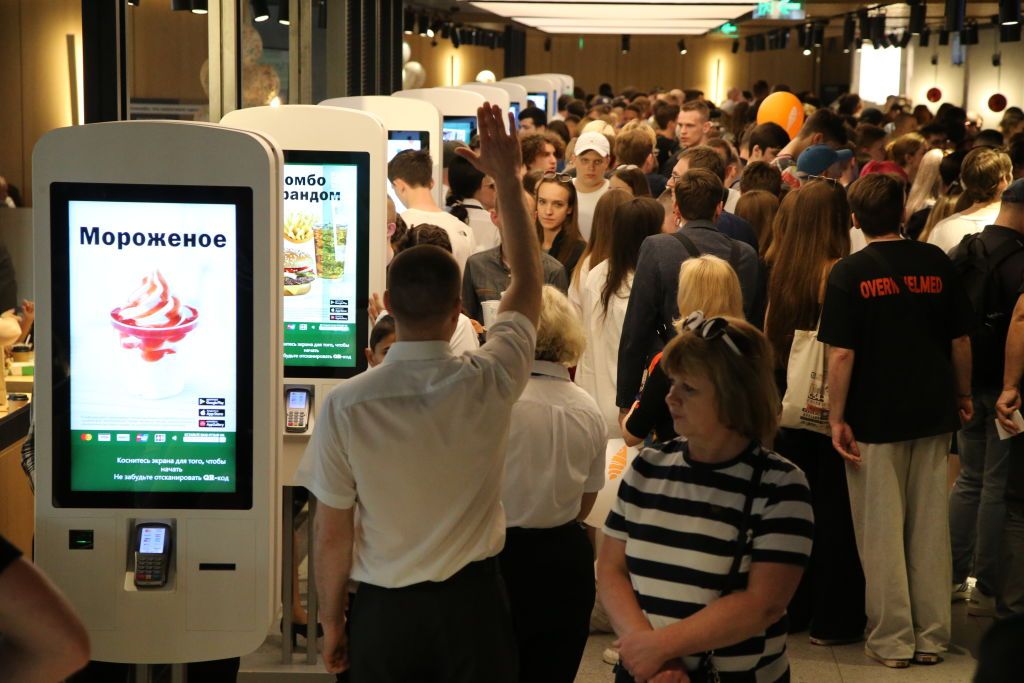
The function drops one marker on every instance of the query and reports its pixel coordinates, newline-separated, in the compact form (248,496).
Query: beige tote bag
(806,403)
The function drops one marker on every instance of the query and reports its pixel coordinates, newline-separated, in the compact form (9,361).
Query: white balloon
(406,52)
(413,75)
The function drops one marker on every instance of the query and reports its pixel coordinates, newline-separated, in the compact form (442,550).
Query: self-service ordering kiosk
(156,411)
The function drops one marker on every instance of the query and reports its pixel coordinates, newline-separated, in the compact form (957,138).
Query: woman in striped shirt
(684,593)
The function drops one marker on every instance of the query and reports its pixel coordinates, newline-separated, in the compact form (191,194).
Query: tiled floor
(846,664)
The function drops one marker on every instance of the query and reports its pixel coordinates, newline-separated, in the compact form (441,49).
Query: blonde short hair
(748,400)
(709,284)
(560,336)
(599,126)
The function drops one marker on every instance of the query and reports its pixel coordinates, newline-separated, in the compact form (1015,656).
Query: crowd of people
(640,269)
(648,268)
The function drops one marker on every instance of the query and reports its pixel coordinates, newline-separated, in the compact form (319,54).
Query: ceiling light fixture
(925,37)
(943,36)
(423,25)
(181,5)
(807,52)
(818,35)
(682,46)
(1009,12)
(260,11)
(955,13)
(200,7)
(735,46)
(849,32)
(408,23)
(283,10)
(918,13)
(625,45)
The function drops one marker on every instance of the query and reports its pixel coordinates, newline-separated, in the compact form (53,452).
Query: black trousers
(550,578)
(830,598)
(453,631)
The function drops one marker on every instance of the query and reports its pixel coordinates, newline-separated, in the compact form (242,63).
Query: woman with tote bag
(830,599)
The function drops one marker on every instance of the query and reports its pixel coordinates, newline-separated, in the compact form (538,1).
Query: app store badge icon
(103,437)
(124,437)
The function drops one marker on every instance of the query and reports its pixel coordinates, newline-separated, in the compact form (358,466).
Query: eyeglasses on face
(710,329)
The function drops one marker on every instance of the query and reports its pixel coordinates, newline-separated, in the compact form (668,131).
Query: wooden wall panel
(12,161)
(46,91)
(446,66)
(166,52)
(654,61)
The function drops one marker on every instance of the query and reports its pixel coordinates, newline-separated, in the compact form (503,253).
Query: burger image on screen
(298,272)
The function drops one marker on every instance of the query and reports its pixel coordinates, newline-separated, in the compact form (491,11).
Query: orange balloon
(783,108)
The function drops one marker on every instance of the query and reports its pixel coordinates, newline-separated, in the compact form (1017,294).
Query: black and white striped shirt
(680,520)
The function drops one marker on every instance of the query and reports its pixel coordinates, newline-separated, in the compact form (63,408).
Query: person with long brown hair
(604,298)
(830,600)
(557,228)
(599,246)
(780,225)
(758,207)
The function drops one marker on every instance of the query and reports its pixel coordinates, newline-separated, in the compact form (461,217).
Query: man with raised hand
(418,446)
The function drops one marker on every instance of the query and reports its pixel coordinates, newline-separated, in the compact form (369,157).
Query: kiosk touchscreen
(156,249)
(538,99)
(158,324)
(410,123)
(460,128)
(324,262)
(400,141)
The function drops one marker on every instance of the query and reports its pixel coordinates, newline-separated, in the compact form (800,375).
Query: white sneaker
(981,605)
(961,591)
(610,656)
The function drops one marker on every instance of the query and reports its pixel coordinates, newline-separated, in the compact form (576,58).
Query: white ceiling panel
(703,25)
(625,30)
(620,11)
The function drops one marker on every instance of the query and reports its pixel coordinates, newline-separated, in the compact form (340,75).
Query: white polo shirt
(556,448)
(598,369)
(418,446)
(460,234)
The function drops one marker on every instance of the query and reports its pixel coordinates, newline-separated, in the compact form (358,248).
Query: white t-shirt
(730,202)
(576,285)
(948,232)
(586,203)
(464,338)
(598,369)
(418,447)
(556,448)
(485,232)
(461,235)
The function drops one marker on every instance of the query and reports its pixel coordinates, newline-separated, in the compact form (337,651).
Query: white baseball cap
(592,141)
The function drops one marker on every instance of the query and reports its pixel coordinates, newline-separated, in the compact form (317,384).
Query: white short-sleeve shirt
(417,446)
(948,232)
(556,449)
(460,234)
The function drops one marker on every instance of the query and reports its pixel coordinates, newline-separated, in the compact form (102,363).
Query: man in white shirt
(418,446)
(592,152)
(984,174)
(411,176)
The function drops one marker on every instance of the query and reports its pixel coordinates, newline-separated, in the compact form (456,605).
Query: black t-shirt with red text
(902,385)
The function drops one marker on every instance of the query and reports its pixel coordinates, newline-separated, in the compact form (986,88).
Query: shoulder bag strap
(687,243)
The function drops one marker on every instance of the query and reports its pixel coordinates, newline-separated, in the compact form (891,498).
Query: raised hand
(500,156)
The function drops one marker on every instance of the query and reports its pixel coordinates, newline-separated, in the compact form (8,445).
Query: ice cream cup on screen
(153,325)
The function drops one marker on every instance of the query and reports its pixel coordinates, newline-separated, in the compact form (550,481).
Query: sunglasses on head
(822,177)
(710,328)
(560,177)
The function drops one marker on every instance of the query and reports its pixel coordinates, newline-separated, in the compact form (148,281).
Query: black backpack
(977,269)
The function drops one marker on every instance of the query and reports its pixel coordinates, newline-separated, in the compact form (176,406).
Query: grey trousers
(1011,590)
(901,521)
(976,506)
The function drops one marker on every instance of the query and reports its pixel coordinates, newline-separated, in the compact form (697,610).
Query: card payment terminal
(152,553)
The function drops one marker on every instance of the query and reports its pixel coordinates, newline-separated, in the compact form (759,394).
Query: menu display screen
(153,300)
(400,141)
(461,128)
(538,99)
(325,259)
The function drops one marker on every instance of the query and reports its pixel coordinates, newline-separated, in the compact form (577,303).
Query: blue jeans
(977,510)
